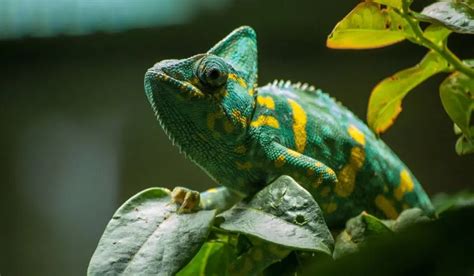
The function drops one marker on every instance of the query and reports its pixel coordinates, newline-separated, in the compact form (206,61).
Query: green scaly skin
(244,137)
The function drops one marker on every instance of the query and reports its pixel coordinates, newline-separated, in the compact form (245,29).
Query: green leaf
(470,3)
(282,213)
(368,26)
(344,245)
(213,259)
(458,17)
(358,230)
(373,225)
(438,34)
(146,236)
(260,256)
(457,97)
(464,145)
(364,226)
(449,202)
(439,247)
(385,102)
(409,218)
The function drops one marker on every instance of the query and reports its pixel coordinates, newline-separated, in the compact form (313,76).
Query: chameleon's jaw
(157,81)
(173,76)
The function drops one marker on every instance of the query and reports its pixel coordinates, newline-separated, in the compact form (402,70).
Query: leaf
(344,245)
(368,26)
(260,256)
(212,259)
(464,145)
(457,97)
(438,34)
(373,225)
(364,226)
(409,218)
(385,102)
(282,213)
(358,230)
(391,3)
(450,202)
(458,17)
(439,247)
(147,236)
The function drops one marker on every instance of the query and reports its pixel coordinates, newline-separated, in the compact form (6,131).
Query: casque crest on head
(239,49)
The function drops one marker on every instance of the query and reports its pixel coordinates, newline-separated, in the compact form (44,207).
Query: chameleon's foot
(188,199)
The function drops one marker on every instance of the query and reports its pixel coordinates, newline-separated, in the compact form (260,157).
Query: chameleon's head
(208,96)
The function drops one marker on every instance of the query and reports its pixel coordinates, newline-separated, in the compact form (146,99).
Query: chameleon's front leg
(220,198)
(299,166)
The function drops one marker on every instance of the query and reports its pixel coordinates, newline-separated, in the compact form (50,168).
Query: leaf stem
(442,50)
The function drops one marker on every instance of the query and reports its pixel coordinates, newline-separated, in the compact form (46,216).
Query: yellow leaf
(391,3)
(368,26)
(385,102)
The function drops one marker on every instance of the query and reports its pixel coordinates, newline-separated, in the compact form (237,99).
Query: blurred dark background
(78,136)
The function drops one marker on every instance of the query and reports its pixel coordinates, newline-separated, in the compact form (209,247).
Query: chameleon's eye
(212,71)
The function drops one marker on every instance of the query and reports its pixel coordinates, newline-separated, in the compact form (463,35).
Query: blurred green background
(78,136)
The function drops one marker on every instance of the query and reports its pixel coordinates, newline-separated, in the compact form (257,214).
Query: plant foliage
(281,225)
(379,23)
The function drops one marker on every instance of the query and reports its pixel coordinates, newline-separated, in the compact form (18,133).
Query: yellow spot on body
(243,166)
(406,185)
(330,171)
(251,91)
(240,149)
(280,161)
(264,120)
(356,134)
(239,117)
(238,79)
(325,191)
(299,125)
(257,254)
(213,190)
(228,127)
(294,153)
(330,207)
(386,206)
(266,101)
(347,175)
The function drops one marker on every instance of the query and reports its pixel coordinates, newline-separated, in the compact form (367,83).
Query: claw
(188,199)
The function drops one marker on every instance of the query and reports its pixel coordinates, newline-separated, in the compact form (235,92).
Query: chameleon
(244,136)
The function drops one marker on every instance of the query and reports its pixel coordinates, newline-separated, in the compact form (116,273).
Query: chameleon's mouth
(159,80)
(174,76)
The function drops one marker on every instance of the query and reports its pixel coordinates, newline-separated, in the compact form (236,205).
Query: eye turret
(212,71)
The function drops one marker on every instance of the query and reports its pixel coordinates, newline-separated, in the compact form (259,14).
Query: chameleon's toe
(188,199)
